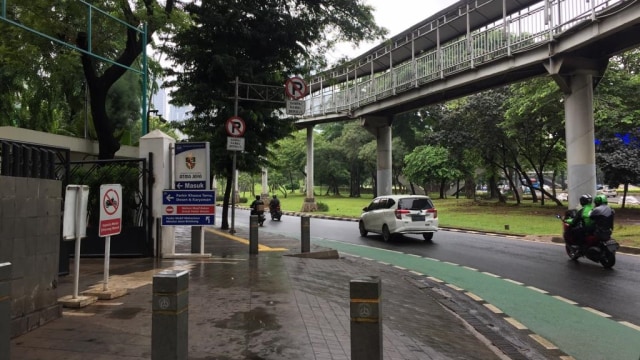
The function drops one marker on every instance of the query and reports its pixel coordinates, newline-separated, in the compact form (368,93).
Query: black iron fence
(133,175)
(23,159)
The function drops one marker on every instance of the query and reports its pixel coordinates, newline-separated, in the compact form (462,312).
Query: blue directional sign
(188,207)
(189,220)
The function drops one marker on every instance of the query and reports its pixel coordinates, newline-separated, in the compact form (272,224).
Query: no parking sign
(110,210)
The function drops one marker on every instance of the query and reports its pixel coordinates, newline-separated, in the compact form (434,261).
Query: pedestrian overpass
(475,45)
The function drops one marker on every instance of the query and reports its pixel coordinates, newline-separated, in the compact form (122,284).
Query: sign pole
(110,222)
(201,240)
(76,269)
(81,204)
(233,170)
(107,252)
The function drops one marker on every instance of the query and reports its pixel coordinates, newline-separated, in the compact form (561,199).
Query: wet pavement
(270,306)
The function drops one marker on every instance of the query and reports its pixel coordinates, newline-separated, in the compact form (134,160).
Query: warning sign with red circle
(235,126)
(295,88)
(110,210)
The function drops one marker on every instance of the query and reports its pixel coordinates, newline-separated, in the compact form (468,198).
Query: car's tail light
(399,213)
(434,212)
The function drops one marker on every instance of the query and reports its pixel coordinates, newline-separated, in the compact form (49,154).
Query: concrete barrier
(170,319)
(305,234)
(5,309)
(366,318)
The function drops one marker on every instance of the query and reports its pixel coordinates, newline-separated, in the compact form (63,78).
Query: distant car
(391,215)
(608,192)
(562,196)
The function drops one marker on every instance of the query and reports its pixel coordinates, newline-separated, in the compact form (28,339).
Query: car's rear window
(415,204)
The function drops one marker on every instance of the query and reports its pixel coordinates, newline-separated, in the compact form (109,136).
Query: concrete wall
(81,149)
(30,211)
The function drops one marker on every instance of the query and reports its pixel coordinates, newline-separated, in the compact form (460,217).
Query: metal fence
(343,90)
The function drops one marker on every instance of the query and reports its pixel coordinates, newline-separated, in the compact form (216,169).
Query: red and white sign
(295,88)
(196,209)
(235,126)
(110,210)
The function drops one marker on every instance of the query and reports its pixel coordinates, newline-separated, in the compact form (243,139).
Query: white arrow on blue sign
(188,207)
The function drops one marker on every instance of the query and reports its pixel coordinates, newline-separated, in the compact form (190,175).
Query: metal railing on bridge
(352,86)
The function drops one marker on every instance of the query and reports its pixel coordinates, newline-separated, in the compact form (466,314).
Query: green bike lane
(581,333)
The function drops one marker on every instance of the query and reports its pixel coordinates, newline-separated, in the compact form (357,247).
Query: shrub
(292,187)
(322,207)
(243,200)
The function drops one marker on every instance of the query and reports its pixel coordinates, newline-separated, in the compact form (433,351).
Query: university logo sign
(190,161)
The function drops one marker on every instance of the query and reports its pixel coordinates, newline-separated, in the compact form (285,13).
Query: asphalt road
(551,294)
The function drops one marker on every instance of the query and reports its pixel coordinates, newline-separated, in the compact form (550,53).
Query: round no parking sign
(110,210)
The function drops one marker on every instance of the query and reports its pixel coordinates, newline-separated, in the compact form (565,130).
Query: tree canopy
(261,42)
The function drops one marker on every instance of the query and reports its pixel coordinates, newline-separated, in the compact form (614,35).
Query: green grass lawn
(524,219)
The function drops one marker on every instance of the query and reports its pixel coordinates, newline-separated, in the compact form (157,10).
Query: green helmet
(600,199)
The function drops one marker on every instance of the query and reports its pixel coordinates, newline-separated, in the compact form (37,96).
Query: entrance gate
(22,159)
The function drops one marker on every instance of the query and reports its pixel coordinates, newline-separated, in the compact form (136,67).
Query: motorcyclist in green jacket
(582,224)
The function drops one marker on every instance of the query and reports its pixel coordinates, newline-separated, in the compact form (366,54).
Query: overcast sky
(396,16)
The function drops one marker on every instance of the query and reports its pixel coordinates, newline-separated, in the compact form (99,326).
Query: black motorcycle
(603,252)
(259,211)
(275,212)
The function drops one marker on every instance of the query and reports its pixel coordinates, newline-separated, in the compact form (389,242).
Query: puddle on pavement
(250,321)
(125,313)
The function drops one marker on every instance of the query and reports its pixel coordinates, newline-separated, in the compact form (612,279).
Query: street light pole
(233,170)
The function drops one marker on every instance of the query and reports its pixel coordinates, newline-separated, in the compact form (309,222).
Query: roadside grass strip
(569,327)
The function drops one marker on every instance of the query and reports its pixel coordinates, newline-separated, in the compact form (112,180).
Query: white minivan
(400,214)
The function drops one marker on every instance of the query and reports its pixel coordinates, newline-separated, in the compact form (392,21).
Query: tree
(288,161)
(259,42)
(50,89)
(534,124)
(617,117)
(618,159)
(430,163)
(101,77)
(353,137)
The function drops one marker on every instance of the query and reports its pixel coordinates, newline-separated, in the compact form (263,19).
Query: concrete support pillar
(5,310)
(581,158)
(366,318)
(380,127)
(159,143)
(309,201)
(265,186)
(170,319)
(575,77)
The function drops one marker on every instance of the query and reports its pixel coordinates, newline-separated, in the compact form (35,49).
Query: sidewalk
(268,306)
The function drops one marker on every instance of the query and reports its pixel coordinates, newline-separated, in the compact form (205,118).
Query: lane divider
(513,322)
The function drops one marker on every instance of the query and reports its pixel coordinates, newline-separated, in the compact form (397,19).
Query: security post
(305,228)
(5,309)
(366,318)
(170,321)
(253,235)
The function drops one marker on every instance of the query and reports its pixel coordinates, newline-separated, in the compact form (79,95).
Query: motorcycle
(603,252)
(259,211)
(275,212)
